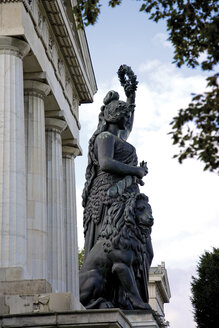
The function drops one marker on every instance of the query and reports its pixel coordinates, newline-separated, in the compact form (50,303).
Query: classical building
(45,74)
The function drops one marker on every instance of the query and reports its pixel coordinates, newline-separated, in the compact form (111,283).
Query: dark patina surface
(117,217)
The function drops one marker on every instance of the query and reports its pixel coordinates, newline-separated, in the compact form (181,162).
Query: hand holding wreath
(128,81)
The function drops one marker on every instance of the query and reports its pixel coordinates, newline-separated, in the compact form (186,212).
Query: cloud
(163,39)
(149,66)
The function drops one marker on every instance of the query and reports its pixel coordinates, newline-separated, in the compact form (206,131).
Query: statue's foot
(100,303)
(106,305)
(148,307)
(140,305)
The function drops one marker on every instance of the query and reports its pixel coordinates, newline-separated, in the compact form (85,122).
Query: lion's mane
(119,229)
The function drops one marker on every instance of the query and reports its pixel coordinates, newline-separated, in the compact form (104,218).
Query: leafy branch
(201,138)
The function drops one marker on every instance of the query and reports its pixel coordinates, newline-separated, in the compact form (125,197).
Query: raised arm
(129,82)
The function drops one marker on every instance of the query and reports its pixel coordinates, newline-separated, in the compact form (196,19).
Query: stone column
(56,235)
(12,154)
(70,219)
(34,93)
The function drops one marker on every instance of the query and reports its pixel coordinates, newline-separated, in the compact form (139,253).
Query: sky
(184,198)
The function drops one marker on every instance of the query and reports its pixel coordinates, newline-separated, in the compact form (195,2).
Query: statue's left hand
(144,164)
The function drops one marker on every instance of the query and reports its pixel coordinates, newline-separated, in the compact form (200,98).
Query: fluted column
(70,219)
(56,235)
(12,154)
(34,93)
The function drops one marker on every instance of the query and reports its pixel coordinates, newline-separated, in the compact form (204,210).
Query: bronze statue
(112,179)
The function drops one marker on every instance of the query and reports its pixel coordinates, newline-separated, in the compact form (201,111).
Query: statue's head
(115,110)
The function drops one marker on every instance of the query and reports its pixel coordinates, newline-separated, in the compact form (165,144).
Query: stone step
(10,274)
(25,287)
(50,302)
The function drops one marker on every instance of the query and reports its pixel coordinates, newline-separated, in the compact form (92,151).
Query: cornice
(68,41)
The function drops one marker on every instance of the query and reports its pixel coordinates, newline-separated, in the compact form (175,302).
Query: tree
(193,27)
(80,257)
(205,290)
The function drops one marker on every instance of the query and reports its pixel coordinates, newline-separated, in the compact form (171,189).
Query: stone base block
(25,287)
(110,318)
(145,319)
(12,273)
(54,302)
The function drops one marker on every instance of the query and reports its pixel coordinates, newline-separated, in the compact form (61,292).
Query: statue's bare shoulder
(105,135)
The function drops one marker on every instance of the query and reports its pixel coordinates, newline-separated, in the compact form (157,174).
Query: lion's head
(138,212)
(127,223)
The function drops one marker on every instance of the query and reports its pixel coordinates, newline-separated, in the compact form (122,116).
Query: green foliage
(86,12)
(80,257)
(205,290)
(114,3)
(193,28)
(195,129)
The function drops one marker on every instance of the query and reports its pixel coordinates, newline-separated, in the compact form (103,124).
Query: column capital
(14,46)
(71,144)
(70,152)
(36,88)
(53,124)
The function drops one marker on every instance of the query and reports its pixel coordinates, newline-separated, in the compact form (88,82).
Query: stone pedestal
(55,213)
(70,221)
(12,149)
(110,318)
(34,93)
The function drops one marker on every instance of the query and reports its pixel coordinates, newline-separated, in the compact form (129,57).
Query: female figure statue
(117,218)
(112,162)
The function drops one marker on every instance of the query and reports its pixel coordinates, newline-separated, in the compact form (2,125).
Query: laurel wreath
(127,78)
